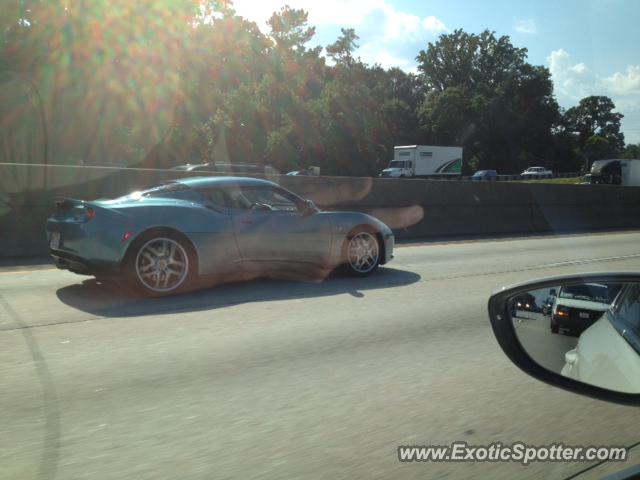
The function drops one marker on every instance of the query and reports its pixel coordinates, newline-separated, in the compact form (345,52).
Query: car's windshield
(589,292)
(626,316)
(398,164)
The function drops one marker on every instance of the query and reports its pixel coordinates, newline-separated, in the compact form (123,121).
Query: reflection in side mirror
(589,332)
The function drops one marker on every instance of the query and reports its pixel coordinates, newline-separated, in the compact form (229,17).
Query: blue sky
(590,46)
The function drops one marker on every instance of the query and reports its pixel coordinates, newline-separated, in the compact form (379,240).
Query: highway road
(542,345)
(279,379)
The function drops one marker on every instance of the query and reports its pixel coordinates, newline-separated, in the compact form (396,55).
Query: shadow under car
(110,300)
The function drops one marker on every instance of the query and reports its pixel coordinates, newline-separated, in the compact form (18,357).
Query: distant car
(536,172)
(305,172)
(186,167)
(578,307)
(526,303)
(547,306)
(162,240)
(484,175)
(229,168)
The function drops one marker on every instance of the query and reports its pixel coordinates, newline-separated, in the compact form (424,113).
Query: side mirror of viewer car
(586,340)
(308,208)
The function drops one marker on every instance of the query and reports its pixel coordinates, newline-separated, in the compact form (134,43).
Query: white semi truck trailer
(615,172)
(424,161)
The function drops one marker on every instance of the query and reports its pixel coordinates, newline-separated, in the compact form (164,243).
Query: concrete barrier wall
(414,208)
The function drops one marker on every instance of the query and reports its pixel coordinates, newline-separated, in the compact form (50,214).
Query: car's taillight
(83,214)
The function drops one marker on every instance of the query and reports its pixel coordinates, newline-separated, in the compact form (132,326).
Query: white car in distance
(536,172)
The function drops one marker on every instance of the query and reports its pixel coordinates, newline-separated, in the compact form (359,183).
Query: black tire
(350,263)
(184,253)
(555,328)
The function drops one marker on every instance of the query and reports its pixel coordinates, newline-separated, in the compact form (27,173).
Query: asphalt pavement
(542,345)
(278,379)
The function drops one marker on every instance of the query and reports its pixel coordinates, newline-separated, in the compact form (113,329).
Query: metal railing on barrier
(499,178)
(519,177)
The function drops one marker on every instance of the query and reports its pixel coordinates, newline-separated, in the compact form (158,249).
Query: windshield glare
(256,239)
(591,293)
(398,164)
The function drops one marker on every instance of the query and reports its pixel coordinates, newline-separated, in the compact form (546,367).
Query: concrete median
(415,208)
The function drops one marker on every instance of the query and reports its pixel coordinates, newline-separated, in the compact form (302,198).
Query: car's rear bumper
(76,264)
(85,248)
(575,325)
(68,261)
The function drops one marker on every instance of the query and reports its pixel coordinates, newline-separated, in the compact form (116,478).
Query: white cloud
(402,25)
(434,25)
(574,81)
(580,68)
(385,58)
(571,81)
(350,13)
(399,24)
(526,26)
(627,83)
(389,36)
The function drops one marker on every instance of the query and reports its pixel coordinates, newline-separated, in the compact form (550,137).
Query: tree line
(159,83)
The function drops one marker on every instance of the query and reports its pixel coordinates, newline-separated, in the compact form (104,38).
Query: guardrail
(413,207)
(514,177)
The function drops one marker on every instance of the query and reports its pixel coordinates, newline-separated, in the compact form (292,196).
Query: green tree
(484,96)
(341,51)
(595,115)
(289,28)
(598,147)
(631,151)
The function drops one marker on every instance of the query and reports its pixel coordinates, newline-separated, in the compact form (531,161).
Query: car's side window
(628,311)
(274,199)
(218,197)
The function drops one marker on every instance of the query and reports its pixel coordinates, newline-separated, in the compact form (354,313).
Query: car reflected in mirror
(583,329)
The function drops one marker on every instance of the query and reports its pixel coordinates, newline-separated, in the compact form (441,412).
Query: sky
(590,46)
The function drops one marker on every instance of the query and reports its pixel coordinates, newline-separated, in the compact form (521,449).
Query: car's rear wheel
(362,253)
(161,264)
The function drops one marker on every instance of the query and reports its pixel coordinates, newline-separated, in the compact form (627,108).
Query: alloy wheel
(363,252)
(162,265)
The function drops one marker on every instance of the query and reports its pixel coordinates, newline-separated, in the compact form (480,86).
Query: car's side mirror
(586,340)
(308,208)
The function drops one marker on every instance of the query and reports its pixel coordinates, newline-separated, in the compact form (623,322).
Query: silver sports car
(165,239)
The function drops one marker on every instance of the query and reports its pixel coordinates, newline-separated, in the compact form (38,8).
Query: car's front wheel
(161,265)
(362,253)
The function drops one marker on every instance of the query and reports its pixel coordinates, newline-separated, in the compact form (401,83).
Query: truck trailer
(625,172)
(424,161)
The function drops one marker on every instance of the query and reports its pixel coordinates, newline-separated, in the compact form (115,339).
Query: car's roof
(208,182)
